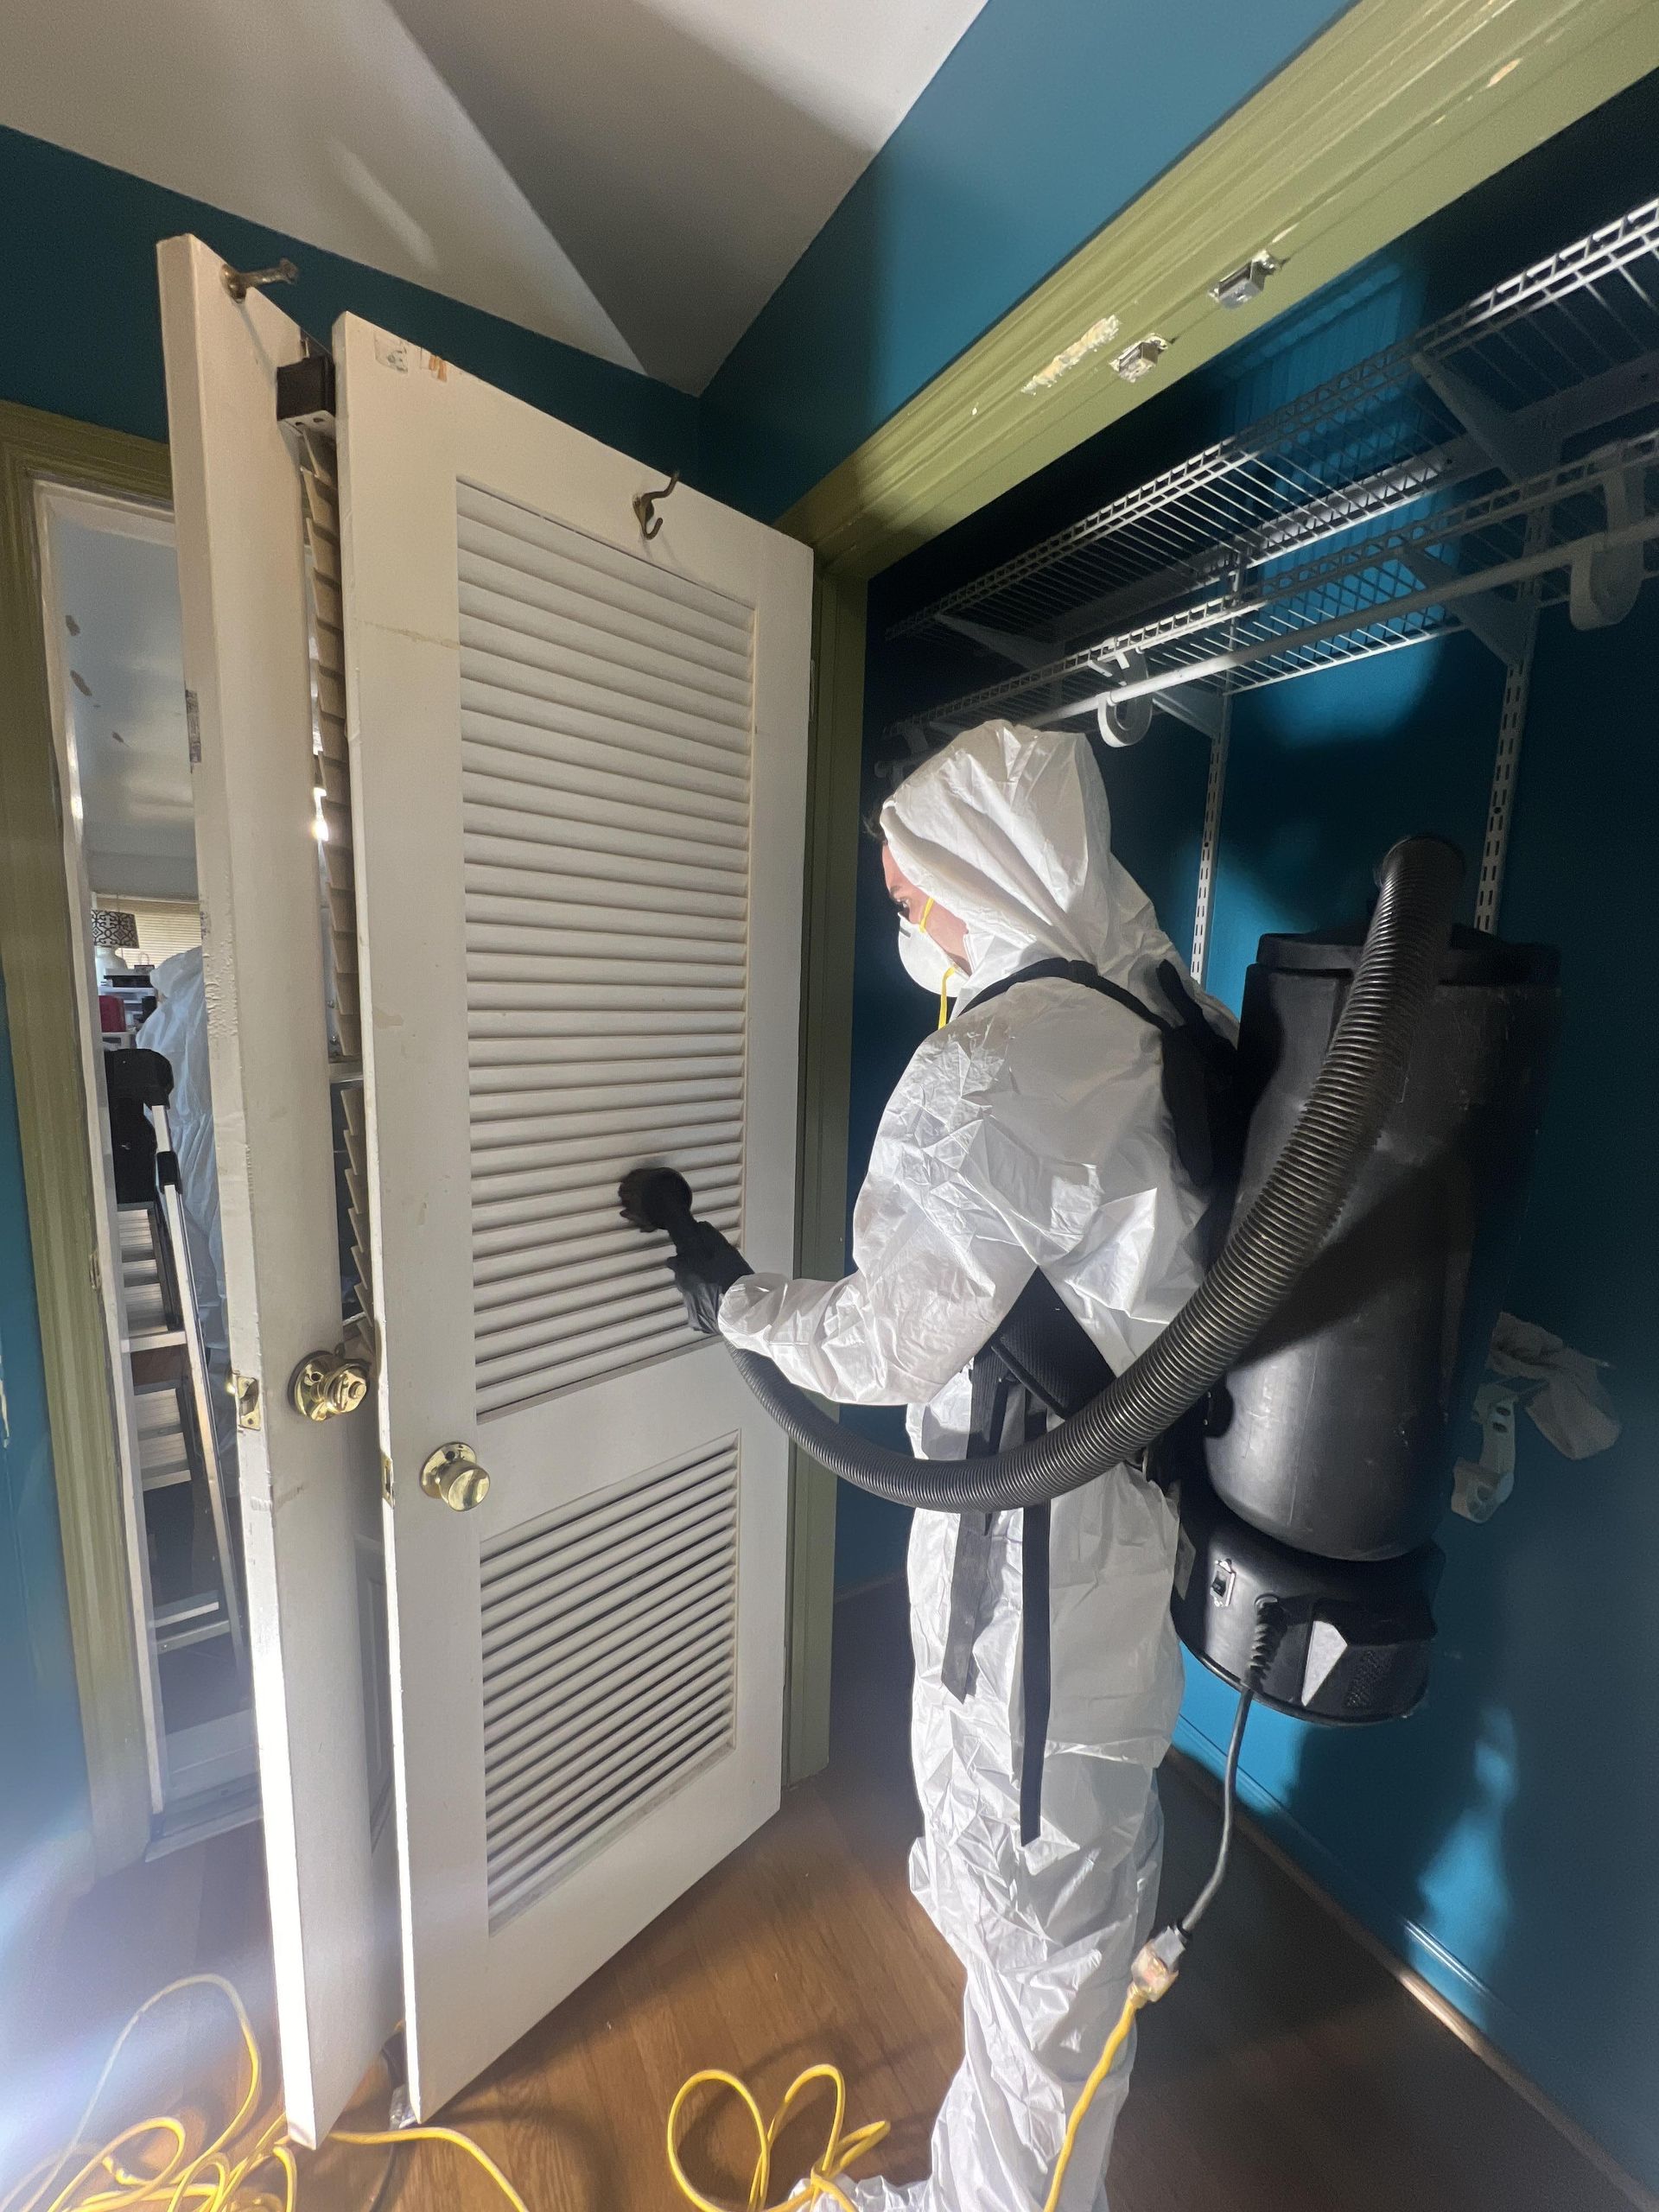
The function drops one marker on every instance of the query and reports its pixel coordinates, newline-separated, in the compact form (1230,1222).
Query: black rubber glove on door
(704,1266)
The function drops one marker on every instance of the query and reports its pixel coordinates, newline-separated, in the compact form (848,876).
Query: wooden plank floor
(1288,2072)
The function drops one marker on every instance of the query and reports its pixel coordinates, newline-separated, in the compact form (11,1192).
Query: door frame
(1395,110)
(37,957)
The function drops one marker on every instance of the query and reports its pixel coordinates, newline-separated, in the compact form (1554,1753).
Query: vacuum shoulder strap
(1200,1065)
(1071,971)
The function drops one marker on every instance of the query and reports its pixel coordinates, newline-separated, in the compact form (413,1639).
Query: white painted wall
(320,117)
(686,152)
(633,176)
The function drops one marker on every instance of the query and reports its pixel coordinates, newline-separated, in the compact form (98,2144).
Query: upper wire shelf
(1203,577)
(1576,525)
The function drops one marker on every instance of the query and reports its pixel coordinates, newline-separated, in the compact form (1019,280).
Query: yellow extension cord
(150,2167)
(138,2171)
(822,2185)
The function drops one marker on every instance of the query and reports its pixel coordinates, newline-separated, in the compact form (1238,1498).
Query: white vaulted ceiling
(633,176)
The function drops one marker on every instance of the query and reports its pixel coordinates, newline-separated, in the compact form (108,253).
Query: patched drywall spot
(1097,334)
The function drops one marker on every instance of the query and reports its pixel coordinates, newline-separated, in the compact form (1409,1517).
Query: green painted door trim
(833,770)
(37,948)
(1398,110)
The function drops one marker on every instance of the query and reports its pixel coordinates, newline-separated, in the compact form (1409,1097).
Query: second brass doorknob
(454,1476)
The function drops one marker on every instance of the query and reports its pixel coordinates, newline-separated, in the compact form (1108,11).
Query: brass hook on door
(239,282)
(644,506)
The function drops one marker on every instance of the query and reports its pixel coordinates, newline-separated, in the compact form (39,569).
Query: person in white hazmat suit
(178,1030)
(1028,1134)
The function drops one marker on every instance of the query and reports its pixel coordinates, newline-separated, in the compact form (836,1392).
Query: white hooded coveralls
(178,1030)
(1029,1133)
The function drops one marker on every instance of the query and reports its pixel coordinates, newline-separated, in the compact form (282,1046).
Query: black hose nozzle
(655,1198)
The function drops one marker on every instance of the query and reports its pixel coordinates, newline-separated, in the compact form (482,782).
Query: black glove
(704,1266)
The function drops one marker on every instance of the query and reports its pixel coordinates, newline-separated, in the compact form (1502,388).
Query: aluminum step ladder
(172,1395)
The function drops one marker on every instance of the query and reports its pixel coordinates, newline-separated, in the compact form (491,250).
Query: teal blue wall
(1046,120)
(1502,1841)
(83,334)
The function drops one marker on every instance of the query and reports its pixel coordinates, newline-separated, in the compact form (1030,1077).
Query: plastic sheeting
(1561,1389)
(1032,1134)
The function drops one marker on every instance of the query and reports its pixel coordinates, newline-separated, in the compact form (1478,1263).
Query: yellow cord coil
(823,2184)
(839,2152)
(248,2166)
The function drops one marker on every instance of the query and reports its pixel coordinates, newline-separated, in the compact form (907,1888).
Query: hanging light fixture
(115,930)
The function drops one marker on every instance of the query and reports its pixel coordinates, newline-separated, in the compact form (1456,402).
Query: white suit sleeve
(976,1176)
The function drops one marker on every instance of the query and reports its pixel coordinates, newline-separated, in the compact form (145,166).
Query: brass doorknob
(329,1383)
(454,1475)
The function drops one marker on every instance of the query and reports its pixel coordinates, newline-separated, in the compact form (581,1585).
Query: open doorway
(110,618)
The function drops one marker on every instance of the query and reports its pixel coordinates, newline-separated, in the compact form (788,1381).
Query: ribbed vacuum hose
(1284,1229)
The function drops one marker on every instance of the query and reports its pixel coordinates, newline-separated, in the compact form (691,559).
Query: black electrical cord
(1280,1233)
(1272,1624)
(1206,1895)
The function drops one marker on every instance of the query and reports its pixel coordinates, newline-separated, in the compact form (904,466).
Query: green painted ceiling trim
(36,946)
(1398,110)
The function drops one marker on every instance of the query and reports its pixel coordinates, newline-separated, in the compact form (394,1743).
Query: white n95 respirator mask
(926,963)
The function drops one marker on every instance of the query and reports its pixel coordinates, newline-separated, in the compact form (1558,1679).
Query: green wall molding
(1400,108)
(826,1068)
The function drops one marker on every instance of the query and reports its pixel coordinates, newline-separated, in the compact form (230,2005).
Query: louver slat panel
(608,1632)
(606,731)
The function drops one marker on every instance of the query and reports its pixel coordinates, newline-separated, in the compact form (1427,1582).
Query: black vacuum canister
(1340,1434)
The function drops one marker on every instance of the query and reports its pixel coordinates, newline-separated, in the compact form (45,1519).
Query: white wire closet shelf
(1503,457)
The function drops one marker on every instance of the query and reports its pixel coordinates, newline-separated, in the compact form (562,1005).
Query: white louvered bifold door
(578,773)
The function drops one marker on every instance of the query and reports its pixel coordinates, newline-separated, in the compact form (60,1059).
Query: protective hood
(178,973)
(1010,829)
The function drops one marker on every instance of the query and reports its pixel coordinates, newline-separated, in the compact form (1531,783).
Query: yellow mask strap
(945,985)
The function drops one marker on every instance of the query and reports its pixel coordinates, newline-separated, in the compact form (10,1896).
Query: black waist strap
(972,1582)
(1040,1362)
(1034,1667)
